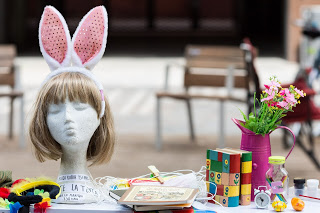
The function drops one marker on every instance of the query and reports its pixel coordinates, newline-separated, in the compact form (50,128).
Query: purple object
(261,151)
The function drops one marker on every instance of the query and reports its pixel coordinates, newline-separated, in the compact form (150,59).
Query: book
(245,175)
(117,194)
(223,176)
(158,195)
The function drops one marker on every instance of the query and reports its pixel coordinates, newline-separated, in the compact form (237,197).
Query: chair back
(210,66)
(7,56)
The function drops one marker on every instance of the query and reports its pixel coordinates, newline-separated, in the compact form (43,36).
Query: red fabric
(18,181)
(306,109)
(41,208)
(4,192)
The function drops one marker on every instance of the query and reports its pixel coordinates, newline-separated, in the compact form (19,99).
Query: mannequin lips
(70,130)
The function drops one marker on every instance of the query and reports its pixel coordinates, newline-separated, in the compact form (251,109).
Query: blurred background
(143,37)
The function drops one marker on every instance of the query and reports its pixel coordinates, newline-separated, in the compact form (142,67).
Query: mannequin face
(72,124)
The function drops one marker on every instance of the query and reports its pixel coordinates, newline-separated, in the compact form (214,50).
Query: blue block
(212,155)
(225,163)
(233,201)
(213,188)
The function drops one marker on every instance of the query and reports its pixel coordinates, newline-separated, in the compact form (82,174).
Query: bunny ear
(54,39)
(90,38)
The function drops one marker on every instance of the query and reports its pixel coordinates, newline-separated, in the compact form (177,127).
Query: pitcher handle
(294,138)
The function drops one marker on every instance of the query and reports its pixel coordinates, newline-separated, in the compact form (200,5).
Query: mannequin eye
(54,109)
(80,106)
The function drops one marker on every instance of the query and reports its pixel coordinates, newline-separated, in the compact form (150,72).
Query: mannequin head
(76,88)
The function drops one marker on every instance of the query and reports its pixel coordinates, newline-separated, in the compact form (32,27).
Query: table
(310,207)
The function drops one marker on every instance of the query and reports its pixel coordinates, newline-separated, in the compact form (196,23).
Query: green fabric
(5,178)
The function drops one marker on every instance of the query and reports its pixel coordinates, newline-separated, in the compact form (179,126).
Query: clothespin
(155,172)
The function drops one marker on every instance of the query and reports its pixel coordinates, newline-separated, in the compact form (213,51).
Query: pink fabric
(53,37)
(88,41)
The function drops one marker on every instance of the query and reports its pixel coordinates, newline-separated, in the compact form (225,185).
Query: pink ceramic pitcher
(261,150)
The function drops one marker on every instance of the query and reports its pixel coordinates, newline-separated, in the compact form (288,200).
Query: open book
(117,194)
(158,196)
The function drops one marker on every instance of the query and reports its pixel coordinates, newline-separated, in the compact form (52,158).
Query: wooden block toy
(216,166)
(211,201)
(213,188)
(245,156)
(245,178)
(220,190)
(225,162)
(212,176)
(246,167)
(246,189)
(208,163)
(245,200)
(219,156)
(225,178)
(207,175)
(208,187)
(217,178)
(234,179)
(224,201)
(235,163)
(212,155)
(231,191)
(217,198)
(233,201)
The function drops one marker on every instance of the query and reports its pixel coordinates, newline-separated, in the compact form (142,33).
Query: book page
(158,194)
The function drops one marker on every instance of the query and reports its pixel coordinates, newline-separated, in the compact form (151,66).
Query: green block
(216,166)
(211,176)
(208,153)
(246,157)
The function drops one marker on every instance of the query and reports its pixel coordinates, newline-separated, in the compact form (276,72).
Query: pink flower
(299,92)
(274,84)
(290,97)
(282,92)
(270,97)
(283,104)
(267,86)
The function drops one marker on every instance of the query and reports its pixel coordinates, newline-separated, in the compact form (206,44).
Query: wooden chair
(210,66)
(9,76)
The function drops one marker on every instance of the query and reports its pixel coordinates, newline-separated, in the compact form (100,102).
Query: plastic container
(312,187)
(277,179)
(299,186)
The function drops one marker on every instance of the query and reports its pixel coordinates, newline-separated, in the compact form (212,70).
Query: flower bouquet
(275,102)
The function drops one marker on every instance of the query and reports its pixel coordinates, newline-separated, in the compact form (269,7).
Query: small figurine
(279,206)
(297,204)
(262,197)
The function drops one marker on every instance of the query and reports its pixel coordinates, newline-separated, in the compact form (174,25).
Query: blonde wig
(73,86)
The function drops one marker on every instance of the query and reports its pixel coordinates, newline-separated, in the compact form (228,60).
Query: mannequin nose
(68,115)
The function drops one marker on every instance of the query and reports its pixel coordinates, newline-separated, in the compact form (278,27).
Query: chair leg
(22,142)
(11,119)
(191,129)
(221,130)
(310,152)
(158,125)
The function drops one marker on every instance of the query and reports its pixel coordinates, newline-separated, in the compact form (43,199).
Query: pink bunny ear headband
(83,52)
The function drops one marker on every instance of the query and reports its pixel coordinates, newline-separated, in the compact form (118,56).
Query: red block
(245,178)
(211,201)
(235,163)
(207,175)
(220,156)
(220,190)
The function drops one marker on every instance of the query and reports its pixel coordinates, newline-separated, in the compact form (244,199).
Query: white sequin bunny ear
(54,39)
(89,40)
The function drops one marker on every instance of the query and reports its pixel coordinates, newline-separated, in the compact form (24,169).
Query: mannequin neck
(74,162)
